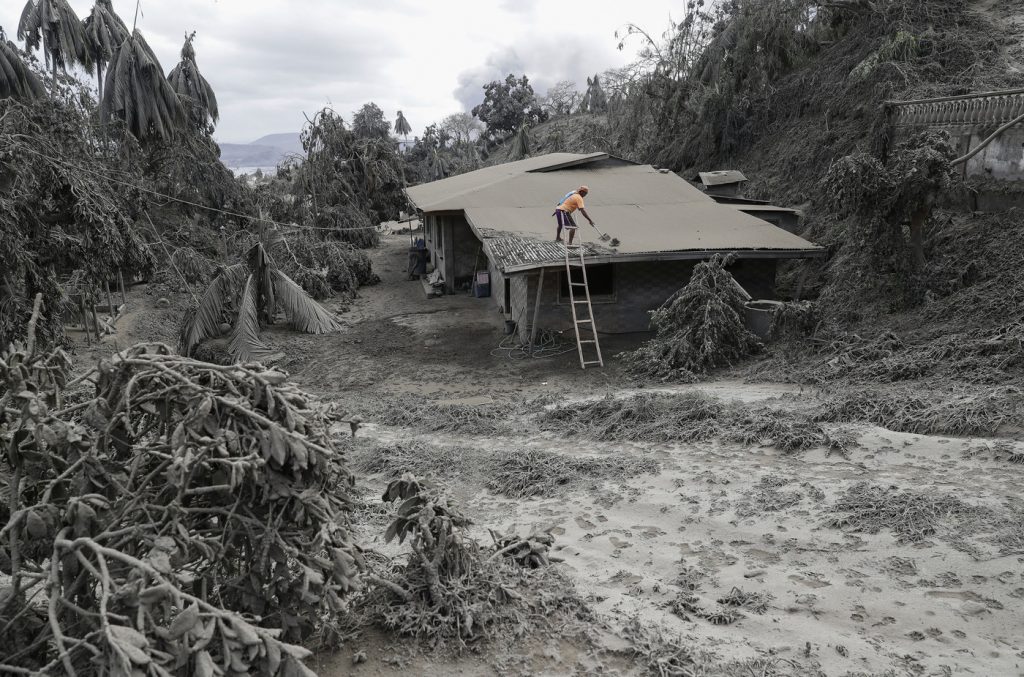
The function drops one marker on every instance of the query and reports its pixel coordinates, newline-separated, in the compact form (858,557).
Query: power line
(128,184)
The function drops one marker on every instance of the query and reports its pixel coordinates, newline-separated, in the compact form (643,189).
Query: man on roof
(564,211)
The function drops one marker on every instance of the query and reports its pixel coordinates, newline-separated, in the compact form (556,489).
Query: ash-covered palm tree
(521,143)
(17,80)
(104,33)
(55,26)
(191,86)
(136,91)
(257,289)
(402,126)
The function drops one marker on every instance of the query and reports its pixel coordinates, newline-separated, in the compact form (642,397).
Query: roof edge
(688,255)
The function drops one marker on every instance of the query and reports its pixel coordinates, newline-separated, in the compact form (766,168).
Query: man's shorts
(565,220)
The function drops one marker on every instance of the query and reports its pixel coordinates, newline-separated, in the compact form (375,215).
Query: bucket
(510,327)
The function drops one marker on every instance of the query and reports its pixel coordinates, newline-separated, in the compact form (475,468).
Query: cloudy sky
(270,61)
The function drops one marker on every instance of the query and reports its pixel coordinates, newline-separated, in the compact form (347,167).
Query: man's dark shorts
(564,219)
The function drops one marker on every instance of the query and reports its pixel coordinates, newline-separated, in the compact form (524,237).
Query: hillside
(267,151)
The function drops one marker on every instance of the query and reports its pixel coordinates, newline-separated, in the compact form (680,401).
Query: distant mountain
(289,142)
(265,152)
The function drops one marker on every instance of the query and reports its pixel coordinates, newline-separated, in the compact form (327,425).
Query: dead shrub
(700,328)
(523,474)
(927,413)
(912,516)
(453,592)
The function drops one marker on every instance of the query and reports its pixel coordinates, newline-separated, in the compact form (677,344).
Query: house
(726,187)
(499,220)
(727,182)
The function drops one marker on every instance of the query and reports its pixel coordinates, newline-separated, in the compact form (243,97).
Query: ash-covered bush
(326,267)
(700,328)
(185,519)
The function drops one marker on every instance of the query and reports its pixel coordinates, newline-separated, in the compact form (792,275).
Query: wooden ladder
(581,323)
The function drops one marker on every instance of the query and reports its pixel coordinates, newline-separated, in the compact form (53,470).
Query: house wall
(788,221)
(453,248)
(639,289)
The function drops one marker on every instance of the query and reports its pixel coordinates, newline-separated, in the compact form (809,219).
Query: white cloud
(270,61)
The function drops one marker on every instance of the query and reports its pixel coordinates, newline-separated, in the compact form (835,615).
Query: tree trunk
(917,221)
(99,85)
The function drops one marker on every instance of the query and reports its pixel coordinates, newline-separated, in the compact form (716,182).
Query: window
(600,279)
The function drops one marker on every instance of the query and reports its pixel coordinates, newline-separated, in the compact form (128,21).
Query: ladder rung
(584,321)
(578,284)
(579,302)
(588,341)
(596,362)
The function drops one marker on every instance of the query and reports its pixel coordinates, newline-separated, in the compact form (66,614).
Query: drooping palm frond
(207,318)
(304,314)
(54,25)
(190,84)
(245,343)
(402,126)
(104,33)
(16,79)
(137,92)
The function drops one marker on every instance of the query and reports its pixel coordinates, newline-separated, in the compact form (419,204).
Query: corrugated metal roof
(653,214)
(513,253)
(721,177)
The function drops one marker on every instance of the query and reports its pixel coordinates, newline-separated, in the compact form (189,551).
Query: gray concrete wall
(1002,159)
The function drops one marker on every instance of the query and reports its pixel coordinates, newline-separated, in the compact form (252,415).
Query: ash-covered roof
(654,214)
(721,177)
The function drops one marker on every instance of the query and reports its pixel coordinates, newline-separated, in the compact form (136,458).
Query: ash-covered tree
(137,92)
(104,33)
(562,98)
(594,100)
(402,126)
(192,88)
(368,123)
(349,182)
(508,105)
(17,80)
(58,212)
(54,25)
(886,206)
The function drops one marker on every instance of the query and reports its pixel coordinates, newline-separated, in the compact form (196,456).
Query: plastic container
(760,315)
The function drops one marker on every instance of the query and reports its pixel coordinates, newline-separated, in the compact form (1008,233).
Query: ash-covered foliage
(692,417)
(700,328)
(58,213)
(925,412)
(912,516)
(328,267)
(455,592)
(879,258)
(532,472)
(193,517)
